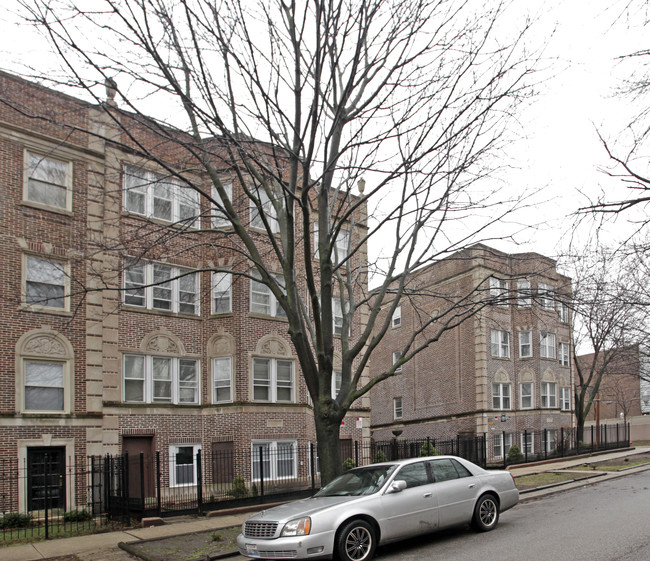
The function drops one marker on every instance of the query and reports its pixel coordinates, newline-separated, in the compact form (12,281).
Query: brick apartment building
(97,360)
(625,387)
(504,371)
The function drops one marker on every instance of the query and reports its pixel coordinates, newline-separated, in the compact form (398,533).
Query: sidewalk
(104,547)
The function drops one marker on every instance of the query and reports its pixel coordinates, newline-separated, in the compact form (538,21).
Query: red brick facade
(448,388)
(82,344)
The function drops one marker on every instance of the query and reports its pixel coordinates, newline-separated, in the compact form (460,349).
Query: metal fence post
(142,489)
(312,466)
(199,482)
(356,452)
(503,449)
(158,485)
(262,473)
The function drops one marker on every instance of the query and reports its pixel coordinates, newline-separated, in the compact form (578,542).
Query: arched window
(44,373)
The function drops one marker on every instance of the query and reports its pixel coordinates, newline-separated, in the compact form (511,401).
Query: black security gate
(46,479)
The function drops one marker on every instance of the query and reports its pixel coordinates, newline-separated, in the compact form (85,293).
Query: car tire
(356,541)
(486,513)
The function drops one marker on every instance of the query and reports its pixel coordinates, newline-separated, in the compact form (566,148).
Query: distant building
(625,387)
(505,371)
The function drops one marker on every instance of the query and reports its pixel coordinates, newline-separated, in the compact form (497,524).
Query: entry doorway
(46,484)
(140,473)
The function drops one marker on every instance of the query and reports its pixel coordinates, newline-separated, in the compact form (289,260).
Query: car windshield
(360,481)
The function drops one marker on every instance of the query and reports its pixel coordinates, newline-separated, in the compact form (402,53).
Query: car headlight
(297,527)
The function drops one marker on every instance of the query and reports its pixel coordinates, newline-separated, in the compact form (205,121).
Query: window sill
(264,316)
(154,311)
(43,206)
(45,310)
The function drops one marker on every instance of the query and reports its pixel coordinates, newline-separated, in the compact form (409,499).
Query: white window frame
(396,356)
(178,195)
(337,316)
(551,440)
(498,289)
(500,343)
(63,269)
(565,399)
(529,395)
(527,447)
(32,160)
(563,353)
(275,455)
(563,312)
(220,382)
(498,445)
(337,380)
(270,213)
(397,317)
(174,449)
(549,395)
(523,344)
(148,381)
(546,296)
(272,307)
(272,382)
(523,294)
(501,396)
(171,291)
(547,345)
(341,248)
(219,218)
(221,292)
(398,408)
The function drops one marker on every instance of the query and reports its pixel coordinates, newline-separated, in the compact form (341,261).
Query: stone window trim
(47,346)
(31,157)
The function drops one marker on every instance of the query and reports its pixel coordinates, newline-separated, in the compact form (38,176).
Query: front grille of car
(287,554)
(261,530)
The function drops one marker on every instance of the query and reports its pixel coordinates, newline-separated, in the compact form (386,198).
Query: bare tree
(360,120)
(609,320)
(628,156)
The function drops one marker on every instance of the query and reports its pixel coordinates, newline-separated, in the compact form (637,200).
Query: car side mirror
(397,486)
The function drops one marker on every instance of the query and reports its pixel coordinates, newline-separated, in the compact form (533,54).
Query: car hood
(296,509)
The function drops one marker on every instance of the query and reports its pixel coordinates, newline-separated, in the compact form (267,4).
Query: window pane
(47,181)
(188,384)
(134,285)
(43,386)
(284,377)
(221,371)
(162,293)
(219,219)
(188,205)
(285,460)
(221,292)
(162,200)
(188,294)
(261,379)
(162,379)
(45,283)
(260,298)
(266,459)
(443,470)
(135,184)
(134,378)
(184,460)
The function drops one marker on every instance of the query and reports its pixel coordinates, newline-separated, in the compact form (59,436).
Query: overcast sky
(558,154)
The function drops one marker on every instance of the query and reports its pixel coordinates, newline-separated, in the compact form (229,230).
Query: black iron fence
(49,495)
(506,448)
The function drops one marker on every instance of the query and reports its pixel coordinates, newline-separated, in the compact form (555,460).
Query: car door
(455,490)
(413,510)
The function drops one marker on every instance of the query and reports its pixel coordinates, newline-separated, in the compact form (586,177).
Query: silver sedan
(378,504)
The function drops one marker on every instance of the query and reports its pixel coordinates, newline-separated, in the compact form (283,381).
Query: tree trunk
(328,428)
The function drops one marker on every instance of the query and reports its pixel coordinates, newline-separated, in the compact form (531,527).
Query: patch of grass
(535,480)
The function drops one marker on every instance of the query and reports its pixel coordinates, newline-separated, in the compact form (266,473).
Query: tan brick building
(116,334)
(504,371)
